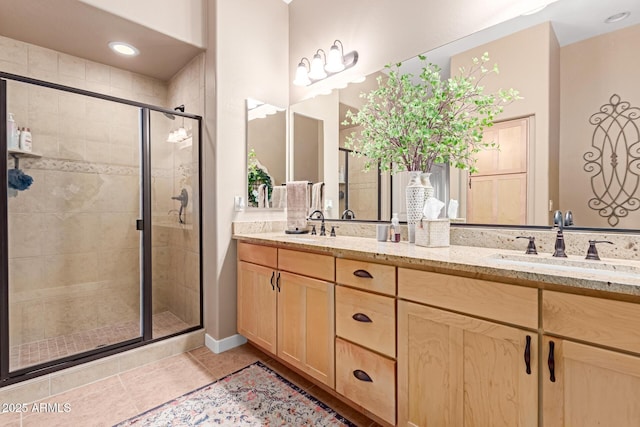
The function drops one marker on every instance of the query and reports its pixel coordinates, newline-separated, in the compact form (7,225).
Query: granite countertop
(610,275)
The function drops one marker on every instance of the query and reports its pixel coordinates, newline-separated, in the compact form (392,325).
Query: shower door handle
(139,224)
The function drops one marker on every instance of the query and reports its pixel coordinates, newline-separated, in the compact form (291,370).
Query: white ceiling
(572,20)
(78,29)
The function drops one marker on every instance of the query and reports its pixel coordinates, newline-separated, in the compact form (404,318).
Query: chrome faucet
(558,220)
(568,218)
(348,214)
(323,231)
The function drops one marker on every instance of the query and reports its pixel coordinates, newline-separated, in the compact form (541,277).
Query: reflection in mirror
(567,64)
(266,155)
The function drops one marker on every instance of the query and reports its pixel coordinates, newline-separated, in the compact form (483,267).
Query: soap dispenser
(394,229)
(12,133)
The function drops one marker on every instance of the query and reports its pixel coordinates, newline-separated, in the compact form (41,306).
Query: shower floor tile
(42,351)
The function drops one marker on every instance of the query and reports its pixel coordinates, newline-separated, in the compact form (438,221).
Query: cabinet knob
(363,274)
(362,376)
(361,317)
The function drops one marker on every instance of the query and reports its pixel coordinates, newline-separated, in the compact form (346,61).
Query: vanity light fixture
(181,133)
(310,72)
(335,59)
(124,48)
(317,66)
(302,74)
(617,17)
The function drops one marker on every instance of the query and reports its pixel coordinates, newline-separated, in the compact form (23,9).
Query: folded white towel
(263,196)
(297,205)
(279,197)
(317,197)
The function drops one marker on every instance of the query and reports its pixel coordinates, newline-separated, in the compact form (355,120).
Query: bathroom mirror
(266,154)
(568,64)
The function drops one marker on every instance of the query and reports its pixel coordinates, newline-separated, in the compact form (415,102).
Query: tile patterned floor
(32,353)
(114,399)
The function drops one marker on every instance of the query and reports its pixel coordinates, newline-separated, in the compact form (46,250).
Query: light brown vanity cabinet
(366,335)
(457,370)
(584,385)
(285,312)
(257,297)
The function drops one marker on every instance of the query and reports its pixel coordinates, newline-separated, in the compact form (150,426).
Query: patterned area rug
(252,396)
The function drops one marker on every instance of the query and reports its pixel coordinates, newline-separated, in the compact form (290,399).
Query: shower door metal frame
(8,377)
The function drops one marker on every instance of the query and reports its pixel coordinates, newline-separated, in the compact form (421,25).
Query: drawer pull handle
(527,355)
(551,362)
(361,317)
(362,376)
(278,282)
(364,274)
(273,273)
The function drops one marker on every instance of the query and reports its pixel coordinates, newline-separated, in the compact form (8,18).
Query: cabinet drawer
(597,320)
(307,264)
(366,275)
(258,254)
(377,330)
(376,388)
(492,300)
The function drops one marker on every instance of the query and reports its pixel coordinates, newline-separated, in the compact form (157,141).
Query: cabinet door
(257,305)
(455,371)
(306,325)
(593,387)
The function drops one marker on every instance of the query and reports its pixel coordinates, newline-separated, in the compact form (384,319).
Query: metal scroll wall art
(614,160)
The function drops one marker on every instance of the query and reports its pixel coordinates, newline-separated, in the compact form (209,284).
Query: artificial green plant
(411,124)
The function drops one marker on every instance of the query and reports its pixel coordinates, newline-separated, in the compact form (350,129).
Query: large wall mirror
(572,142)
(266,154)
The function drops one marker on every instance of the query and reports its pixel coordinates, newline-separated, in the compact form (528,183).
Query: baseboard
(219,346)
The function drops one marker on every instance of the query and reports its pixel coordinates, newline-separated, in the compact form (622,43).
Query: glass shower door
(73,247)
(175,223)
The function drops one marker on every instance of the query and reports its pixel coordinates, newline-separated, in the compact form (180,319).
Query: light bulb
(181,134)
(302,76)
(317,68)
(335,61)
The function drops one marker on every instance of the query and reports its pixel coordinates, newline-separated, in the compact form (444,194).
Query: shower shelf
(17,154)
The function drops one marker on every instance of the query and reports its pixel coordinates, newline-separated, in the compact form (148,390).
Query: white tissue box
(433,233)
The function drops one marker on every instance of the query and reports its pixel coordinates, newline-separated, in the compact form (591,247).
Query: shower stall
(100,226)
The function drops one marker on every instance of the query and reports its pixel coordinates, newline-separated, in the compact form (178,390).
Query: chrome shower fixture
(178,108)
(184,201)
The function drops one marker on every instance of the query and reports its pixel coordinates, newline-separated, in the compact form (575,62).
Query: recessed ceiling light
(124,48)
(617,17)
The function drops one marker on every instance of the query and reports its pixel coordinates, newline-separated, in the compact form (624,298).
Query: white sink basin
(567,264)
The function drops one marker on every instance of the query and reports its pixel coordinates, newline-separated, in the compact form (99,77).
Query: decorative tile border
(81,166)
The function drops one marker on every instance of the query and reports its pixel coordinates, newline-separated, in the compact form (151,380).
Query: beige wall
(182,20)
(387,31)
(247,57)
(268,137)
(325,109)
(592,71)
(307,132)
(525,63)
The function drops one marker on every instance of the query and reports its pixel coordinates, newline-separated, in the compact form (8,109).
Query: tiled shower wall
(176,246)
(74,250)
